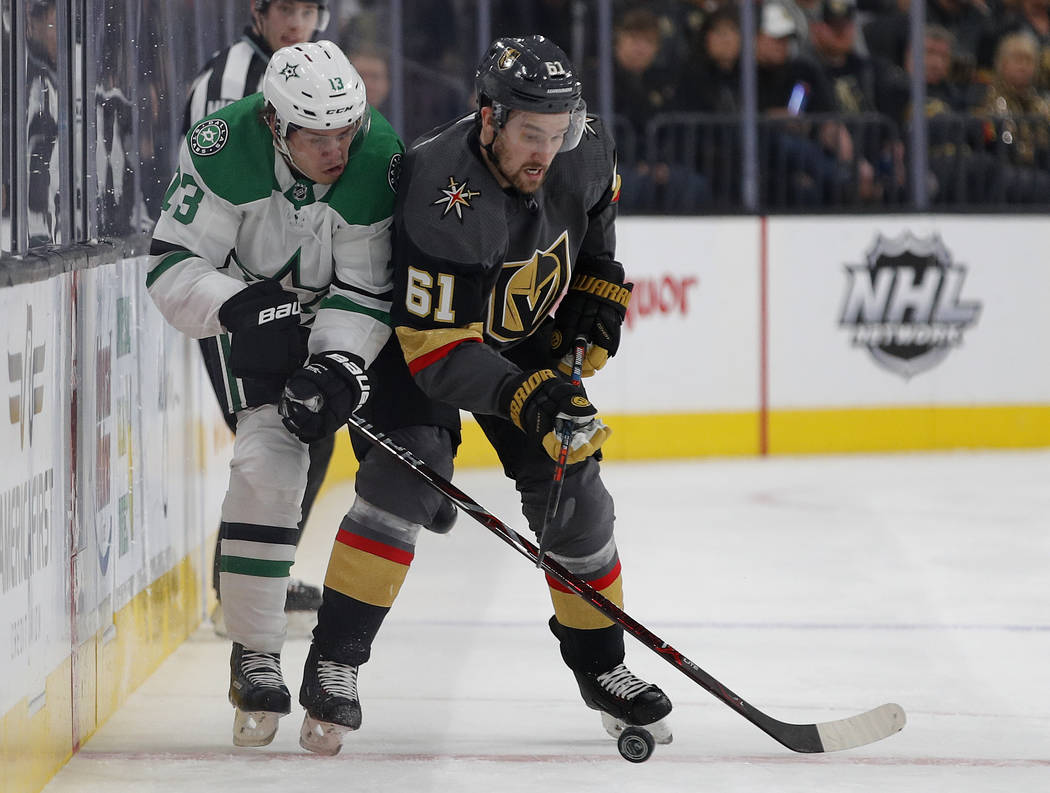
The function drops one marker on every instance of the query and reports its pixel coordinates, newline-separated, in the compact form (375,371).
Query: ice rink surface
(814,587)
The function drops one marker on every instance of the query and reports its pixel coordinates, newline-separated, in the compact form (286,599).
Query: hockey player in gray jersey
(275,235)
(231,74)
(498,214)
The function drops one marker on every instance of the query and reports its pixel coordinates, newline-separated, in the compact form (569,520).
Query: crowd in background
(833,84)
(846,62)
(834,95)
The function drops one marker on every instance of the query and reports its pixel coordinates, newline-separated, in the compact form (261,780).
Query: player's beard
(517,179)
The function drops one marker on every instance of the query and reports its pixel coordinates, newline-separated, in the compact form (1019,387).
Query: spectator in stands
(803,164)
(960,170)
(711,79)
(711,85)
(970,21)
(852,76)
(641,91)
(1031,16)
(858,83)
(1019,116)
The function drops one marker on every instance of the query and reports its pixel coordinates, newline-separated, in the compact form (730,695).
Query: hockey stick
(828,736)
(579,347)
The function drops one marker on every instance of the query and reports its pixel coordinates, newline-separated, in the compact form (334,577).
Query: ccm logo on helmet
(278,312)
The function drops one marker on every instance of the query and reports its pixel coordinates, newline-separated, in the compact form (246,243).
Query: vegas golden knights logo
(526,290)
(507,59)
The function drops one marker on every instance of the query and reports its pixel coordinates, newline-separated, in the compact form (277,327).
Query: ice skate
(329,696)
(259,694)
(626,700)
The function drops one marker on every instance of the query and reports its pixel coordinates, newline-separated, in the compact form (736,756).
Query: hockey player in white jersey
(231,74)
(275,230)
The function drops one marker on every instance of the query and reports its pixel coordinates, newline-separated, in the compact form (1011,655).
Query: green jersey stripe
(260,568)
(166,264)
(345,304)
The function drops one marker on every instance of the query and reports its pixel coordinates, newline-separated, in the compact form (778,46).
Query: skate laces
(261,668)
(338,679)
(622,683)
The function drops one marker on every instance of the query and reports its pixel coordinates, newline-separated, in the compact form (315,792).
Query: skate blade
(254,728)
(322,737)
(660,729)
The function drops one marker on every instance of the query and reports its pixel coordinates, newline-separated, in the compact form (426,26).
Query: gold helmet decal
(507,59)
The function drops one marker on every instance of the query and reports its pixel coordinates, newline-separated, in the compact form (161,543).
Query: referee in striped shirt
(237,71)
(232,74)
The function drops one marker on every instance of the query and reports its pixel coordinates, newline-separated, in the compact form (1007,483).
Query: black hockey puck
(635,744)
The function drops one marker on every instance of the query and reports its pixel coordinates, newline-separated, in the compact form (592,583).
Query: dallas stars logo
(289,71)
(456,197)
(209,137)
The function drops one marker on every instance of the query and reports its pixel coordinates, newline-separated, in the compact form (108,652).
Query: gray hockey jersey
(476,263)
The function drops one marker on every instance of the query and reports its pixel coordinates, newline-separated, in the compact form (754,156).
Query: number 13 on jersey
(419,297)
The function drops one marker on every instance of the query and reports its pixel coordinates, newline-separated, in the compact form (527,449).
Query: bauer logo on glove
(321,396)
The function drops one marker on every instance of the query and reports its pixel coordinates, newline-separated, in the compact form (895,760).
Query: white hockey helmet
(313,86)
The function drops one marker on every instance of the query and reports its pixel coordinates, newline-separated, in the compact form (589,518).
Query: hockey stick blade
(831,736)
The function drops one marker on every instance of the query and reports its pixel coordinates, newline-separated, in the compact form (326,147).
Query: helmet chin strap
(280,143)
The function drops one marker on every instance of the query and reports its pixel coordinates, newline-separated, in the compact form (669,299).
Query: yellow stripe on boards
(816,431)
(34,746)
(908,429)
(109,666)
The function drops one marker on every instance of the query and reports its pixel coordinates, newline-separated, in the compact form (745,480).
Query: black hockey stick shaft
(579,348)
(846,733)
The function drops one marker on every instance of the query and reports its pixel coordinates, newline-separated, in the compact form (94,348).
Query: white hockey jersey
(235,214)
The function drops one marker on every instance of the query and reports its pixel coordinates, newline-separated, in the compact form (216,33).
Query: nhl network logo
(22,370)
(904,306)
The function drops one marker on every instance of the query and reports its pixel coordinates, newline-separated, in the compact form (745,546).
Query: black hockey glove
(594,307)
(319,398)
(264,322)
(538,403)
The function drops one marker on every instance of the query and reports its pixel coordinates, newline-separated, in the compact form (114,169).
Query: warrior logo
(456,197)
(507,59)
(903,305)
(526,290)
(209,137)
(22,371)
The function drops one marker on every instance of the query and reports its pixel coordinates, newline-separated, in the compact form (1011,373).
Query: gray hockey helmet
(531,73)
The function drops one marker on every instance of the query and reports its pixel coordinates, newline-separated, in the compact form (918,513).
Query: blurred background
(794,106)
